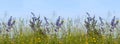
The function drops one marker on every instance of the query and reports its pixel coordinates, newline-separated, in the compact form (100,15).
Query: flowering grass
(39,31)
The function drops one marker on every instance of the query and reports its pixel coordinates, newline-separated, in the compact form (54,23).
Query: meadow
(62,31)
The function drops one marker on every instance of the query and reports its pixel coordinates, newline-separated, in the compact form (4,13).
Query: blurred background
(64,8)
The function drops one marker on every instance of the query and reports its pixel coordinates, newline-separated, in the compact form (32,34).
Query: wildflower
(34,18)
(90,23)
(101,25)
(89,18)
(113,23)
(46,20)
(101,20)
(32,25)
(46,24)
(59,23)
(35,22)
(10,23)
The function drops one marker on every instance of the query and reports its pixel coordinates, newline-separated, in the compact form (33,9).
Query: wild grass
(38,31)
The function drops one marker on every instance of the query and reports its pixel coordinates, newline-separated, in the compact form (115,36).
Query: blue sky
(64,8)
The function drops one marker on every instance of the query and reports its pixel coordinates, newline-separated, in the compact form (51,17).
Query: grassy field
(63,31)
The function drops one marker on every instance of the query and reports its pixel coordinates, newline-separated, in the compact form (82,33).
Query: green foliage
(68,33)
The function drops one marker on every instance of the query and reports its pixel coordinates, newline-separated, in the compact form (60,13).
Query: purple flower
(89,18)
(46,20)
(90,23)
(101,25)
(34,18)
(113,21)
(101,20)
(58,21)
(35,22)
(10,23)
